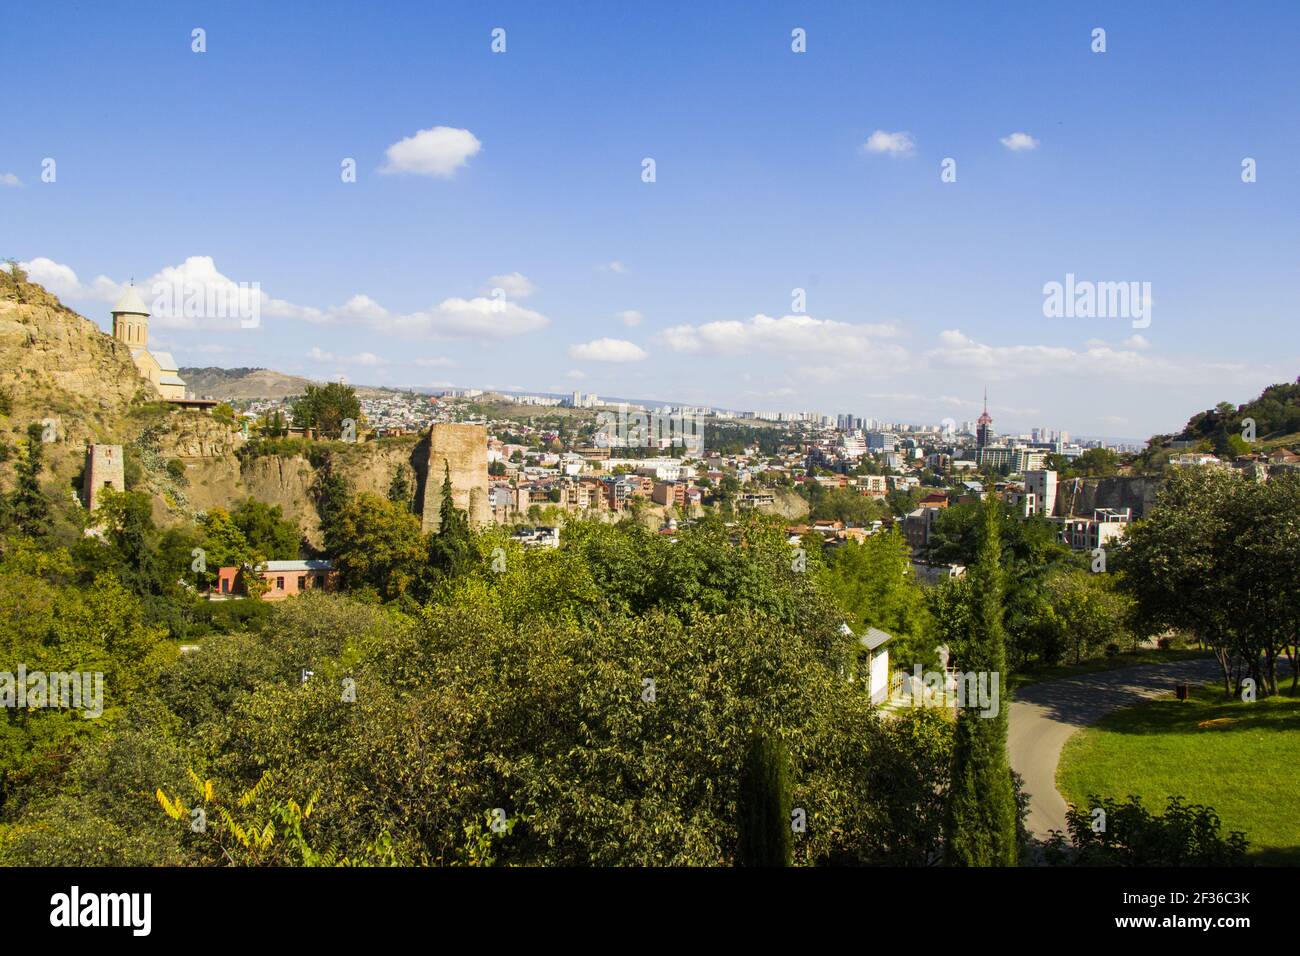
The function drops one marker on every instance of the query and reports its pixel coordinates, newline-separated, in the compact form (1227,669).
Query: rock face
(462,450)
(54,364)
(1080,496)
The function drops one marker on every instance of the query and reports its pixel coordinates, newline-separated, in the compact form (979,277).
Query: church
(131,327)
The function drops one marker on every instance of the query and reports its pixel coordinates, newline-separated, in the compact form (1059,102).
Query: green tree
(331,492)
(127,520)
(764,830)
(873,583)
(981,818)
(29,511)
(225,546)
(1218,557)
(226,414)
(399,488)
(378,545)
(266,530)
(326,407)
(1088,611)
(449,546)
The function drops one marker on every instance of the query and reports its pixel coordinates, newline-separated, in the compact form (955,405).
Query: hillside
(242,384)
(57,365)
(1276,413)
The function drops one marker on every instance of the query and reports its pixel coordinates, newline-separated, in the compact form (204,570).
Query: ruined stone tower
(464,449)
(103,470)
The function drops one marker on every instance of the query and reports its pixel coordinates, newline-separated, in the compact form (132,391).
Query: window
(279,584)
(302,582)
(320,580)
(225,585)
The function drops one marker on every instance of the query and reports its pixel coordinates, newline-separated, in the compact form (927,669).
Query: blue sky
(225,166)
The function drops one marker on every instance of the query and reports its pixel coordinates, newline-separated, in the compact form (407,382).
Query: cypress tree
(450,546)
(28,509)
(399,489)
(980,820)
(331,493)
(764,825)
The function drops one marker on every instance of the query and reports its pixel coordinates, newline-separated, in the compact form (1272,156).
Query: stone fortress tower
(103,470)
(131,328)
(464,449)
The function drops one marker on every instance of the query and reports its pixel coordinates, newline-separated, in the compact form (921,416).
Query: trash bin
(1182,691)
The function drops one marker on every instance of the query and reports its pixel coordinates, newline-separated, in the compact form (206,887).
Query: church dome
(131,303)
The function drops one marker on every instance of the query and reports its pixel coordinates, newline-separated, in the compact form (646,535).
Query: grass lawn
(1122,659)
(1246,765)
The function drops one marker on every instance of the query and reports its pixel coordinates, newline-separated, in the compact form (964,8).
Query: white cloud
(439,362)
(894,144)
(1136,341)
(182,296)
(63,282)
(1096,361)
(791,333)
(630,317)
(367,359)
(360,307)
(195,293)
(575,375)
(608,350)
(615,266)
(467,318)
(439,151)
(9,179)
(1019,142)
(514,284)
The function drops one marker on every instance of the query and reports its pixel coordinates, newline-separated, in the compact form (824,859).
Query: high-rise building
(984,426)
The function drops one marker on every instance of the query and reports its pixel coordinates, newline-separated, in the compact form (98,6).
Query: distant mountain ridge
(242,384)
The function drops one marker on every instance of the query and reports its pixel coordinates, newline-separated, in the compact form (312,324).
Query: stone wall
(462,448)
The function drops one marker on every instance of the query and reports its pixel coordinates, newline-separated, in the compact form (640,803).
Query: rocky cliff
(56,365)
(1080,496)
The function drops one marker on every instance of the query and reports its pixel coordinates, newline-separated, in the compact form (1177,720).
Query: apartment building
(1087,534)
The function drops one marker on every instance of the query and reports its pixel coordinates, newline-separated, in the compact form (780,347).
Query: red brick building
(283,579)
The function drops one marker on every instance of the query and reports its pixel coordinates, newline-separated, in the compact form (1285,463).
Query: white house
(876,655)
(874,642)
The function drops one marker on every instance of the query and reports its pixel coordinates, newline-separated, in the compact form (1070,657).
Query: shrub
(1186,835)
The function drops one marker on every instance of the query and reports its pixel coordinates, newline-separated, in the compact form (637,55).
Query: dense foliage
(980,826)
(1220,558)
(1128,834)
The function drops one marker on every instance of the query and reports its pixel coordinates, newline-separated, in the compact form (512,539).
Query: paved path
(1044,716)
